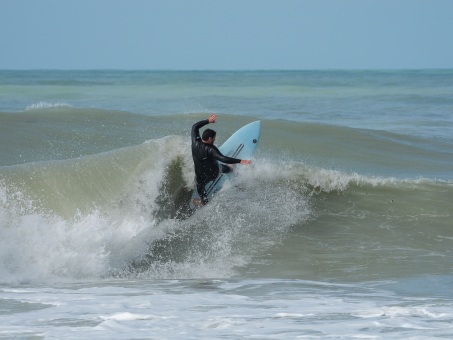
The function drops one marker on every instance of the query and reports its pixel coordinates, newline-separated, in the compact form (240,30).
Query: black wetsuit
(205,157)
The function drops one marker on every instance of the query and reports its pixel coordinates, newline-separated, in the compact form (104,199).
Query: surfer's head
(208,136)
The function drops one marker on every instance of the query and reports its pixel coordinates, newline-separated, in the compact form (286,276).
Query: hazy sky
(226,35)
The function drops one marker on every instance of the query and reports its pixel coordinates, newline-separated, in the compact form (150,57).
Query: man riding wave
(206,155)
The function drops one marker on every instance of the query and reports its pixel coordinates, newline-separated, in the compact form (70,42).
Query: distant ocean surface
(341,228)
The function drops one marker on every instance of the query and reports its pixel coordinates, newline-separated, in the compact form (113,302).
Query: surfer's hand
(212,118)
(246,161)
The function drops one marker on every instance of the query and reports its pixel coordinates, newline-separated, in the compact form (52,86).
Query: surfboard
(242,144)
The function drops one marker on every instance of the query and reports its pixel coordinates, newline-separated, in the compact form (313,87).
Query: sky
(226,35)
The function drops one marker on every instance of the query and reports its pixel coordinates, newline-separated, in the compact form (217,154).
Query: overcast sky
(226,35)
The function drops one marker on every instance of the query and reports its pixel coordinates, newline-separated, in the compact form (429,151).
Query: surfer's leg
(202,192)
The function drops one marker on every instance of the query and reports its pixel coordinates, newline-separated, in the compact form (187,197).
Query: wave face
(123,213)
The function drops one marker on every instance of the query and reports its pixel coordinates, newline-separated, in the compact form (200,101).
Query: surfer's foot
(197,202)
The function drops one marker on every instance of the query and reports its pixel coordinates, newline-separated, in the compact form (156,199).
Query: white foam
(238,308)
(46,105)
(126,316)
(37,246)
(291,315)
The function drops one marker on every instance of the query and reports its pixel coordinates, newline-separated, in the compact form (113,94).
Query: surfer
(205,156)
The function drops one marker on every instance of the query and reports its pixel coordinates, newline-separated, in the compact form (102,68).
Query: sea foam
(46,105)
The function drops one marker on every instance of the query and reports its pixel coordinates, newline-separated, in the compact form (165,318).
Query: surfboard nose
(255,129)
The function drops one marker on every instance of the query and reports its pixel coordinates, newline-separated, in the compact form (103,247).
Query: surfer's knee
(226,169)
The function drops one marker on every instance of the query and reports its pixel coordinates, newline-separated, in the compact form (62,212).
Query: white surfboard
(242,144)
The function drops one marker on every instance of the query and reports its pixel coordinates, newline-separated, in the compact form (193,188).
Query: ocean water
(341,228)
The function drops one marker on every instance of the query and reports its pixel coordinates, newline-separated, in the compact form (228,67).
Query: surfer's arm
(197,126)
(196,129)
(217,155)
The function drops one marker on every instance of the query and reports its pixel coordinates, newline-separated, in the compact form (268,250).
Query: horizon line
(226,70)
